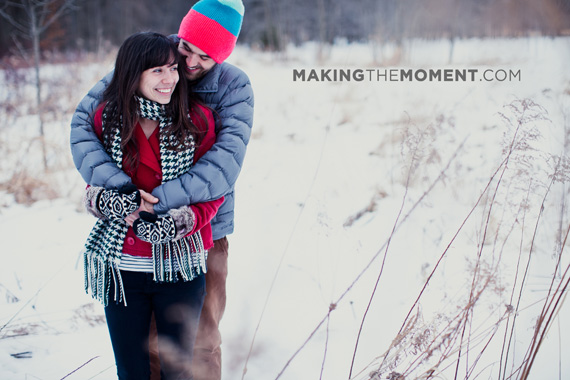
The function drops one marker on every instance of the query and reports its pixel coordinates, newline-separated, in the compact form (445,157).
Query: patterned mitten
(112,204)
(161,229)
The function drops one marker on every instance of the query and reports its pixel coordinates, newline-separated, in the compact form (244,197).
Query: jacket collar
(209,83)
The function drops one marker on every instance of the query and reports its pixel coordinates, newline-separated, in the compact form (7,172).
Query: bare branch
(13,4)
(12,21)
(20,48)
(66,7)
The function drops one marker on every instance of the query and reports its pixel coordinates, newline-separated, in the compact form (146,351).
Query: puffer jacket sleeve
(89,155)
(215,173)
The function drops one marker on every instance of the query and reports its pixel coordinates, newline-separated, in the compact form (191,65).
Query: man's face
(198,63)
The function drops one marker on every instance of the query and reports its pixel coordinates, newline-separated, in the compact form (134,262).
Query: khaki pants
(207,360)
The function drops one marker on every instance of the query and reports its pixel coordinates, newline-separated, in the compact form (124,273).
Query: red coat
(149,175)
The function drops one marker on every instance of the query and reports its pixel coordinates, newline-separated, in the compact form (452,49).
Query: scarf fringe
(99,272)
(186,256)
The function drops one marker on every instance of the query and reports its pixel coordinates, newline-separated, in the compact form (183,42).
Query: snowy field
(353,195)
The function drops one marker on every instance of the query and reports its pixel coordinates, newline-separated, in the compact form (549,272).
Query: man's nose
(192,59)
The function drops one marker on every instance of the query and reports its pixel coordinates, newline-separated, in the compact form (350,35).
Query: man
(206,37)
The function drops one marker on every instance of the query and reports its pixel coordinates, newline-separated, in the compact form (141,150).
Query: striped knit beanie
(213,26)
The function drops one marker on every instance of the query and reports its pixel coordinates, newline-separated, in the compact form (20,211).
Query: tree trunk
(36,46)
(97,15)
(322,27)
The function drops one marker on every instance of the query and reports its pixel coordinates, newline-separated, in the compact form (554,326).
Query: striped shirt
(136,263)
(133,263)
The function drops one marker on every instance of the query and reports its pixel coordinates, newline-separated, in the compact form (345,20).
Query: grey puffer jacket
(227,90)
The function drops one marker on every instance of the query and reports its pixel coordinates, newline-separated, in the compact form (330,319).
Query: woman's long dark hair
(138,53)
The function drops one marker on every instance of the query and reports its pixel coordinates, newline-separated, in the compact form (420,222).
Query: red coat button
(130,241)
(158,176)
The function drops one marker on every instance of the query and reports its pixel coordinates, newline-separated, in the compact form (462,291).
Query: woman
(156,265)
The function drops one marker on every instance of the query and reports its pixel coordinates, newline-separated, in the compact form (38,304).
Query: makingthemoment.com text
(405,75)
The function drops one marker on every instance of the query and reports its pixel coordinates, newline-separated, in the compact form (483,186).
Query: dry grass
(28,189)
(453,344)
(22,171)
(464,338)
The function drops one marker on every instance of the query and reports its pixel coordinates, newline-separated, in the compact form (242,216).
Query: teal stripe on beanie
(235,4)
(227,13)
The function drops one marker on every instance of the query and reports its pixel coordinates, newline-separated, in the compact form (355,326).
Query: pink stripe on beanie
(213,26)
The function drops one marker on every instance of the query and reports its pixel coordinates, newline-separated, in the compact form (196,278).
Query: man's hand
(147,204)
(148,201)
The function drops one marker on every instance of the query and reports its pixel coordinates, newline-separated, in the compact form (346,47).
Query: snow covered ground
(331,169)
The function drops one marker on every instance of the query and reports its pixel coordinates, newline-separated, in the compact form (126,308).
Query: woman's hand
(112,204)
(147,204)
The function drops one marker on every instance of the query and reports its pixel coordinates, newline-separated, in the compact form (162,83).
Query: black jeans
(176,306)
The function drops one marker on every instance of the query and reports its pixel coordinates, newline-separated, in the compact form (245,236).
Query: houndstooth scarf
(186,256)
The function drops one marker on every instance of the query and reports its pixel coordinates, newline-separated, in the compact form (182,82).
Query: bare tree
(322,13)
(38,15)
